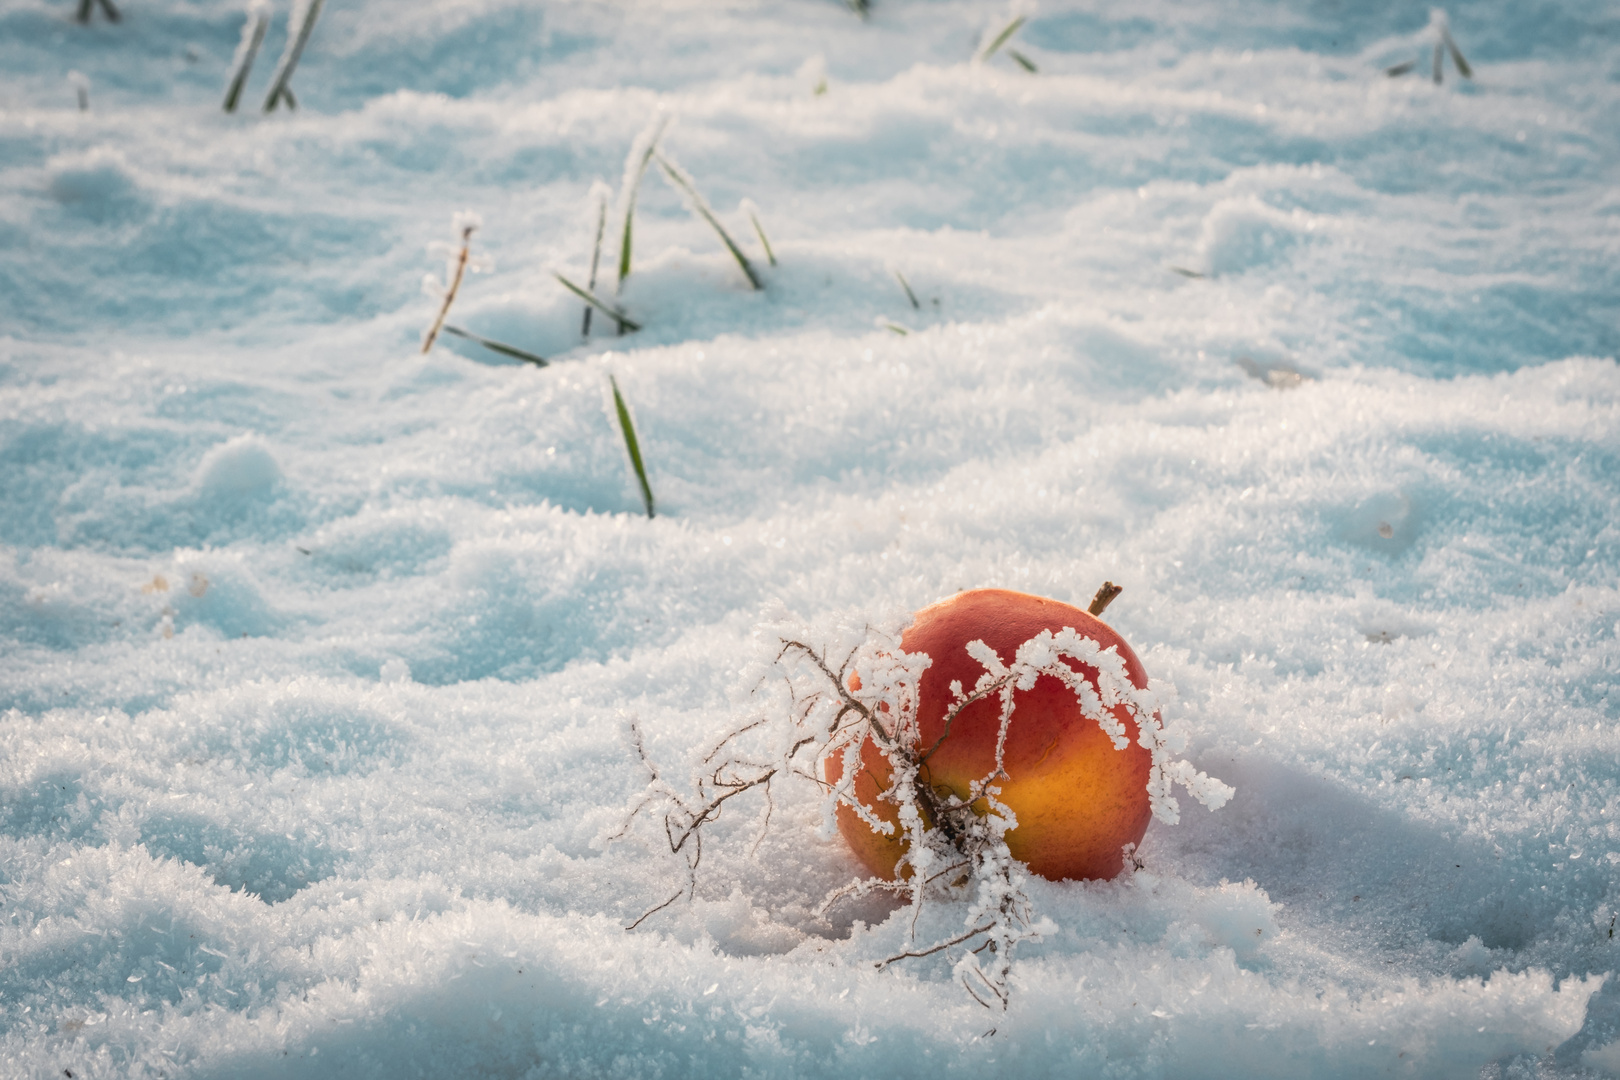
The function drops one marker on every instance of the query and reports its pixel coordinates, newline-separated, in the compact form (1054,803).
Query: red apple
(1078,800)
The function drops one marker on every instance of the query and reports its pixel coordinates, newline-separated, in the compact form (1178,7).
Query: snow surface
(317,652)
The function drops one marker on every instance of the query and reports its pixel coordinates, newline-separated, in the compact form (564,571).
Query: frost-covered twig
(247,50)
(465,224)
(823,705)
(300,25)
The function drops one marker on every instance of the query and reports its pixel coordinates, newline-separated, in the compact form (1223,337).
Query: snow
(318,652)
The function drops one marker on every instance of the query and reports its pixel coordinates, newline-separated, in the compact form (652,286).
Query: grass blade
(628,427)
(752,211)
(1186,273)
(598,303)
(1395,70)
(863,8)
(1456,54)
(1001,39)
(1439,55)
(696,203)
(289,59)
(635,167)
(247,50)
(599,191)
(496,346)
(1023,61)
(904,284)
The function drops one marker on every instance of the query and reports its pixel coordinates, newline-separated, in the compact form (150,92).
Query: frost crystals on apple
(819,699)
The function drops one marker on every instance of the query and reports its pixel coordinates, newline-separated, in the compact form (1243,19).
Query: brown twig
(450,293)
(932,949)
(1105,596)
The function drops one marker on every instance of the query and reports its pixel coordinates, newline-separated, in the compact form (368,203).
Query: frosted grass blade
(1439,56)
(599,191)
(696,203)
(1001,39)
(598,303)
(296,40)
(495,346)
(1401,68)
(635,168)
(628,427)
(1023,61)
(247,50)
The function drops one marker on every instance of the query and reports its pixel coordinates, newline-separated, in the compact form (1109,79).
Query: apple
(1077,798)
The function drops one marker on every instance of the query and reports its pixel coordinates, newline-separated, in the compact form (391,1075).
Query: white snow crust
(316,653)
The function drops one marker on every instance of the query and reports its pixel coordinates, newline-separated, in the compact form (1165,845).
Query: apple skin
(1078,800)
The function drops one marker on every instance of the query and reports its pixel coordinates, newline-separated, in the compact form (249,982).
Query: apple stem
(1104,597)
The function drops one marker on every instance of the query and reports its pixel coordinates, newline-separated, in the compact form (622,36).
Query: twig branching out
(247,50)
(88,7)
(465,224)
(683,183)
(826,705)
(300,25)
(632,445)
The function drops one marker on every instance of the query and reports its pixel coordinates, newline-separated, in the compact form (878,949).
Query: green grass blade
(1439,57)
(495,346)
(1001,39)
(904,284)
(700,207)
(1456,54)
(628,427)
(1184,272)
(1023,61)
(759,230)
(247,50)
(635,168)
(1396,70)
(600,191)
(598,303)
(289,59)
